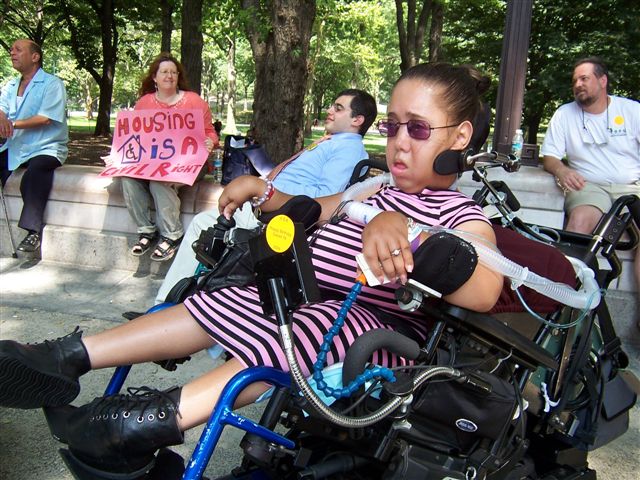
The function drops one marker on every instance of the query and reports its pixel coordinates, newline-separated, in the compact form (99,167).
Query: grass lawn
(82,125)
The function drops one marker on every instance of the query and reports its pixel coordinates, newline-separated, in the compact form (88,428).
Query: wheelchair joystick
(213,241)
(225,224)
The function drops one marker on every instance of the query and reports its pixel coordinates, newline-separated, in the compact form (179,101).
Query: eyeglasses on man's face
(338,107)
(417,129)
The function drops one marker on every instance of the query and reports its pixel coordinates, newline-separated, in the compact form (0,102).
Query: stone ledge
(540,198)
(87,222)
(82,184)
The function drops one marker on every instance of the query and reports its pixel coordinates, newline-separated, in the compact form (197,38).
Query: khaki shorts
(599,196)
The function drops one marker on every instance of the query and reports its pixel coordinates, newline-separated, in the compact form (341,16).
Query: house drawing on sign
(131,150)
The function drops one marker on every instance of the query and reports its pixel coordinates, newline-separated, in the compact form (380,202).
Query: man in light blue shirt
(323,168)
(33,121)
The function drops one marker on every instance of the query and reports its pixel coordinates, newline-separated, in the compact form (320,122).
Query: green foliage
(357,46)
(35,20)
(358,50)
(472,33)
(561,32)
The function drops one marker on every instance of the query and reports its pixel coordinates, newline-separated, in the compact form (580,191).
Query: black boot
(121,434)
(42,374)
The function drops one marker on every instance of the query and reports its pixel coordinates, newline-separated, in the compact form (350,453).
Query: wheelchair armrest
(300,209)
(490,330)
(363,167)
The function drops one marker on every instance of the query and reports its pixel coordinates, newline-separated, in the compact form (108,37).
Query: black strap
(611,344)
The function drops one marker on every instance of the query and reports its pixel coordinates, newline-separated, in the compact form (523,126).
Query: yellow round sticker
(280,232)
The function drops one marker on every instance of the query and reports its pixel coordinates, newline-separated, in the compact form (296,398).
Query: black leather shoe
(120,434)
(30,243)
(132,315)
(42,374)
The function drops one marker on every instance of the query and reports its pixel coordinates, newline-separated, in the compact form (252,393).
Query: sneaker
(42,374)
(30,243)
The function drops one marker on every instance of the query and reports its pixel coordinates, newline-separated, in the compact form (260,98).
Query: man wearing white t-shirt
(600,136)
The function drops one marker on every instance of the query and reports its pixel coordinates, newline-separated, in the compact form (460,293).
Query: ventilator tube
(358,211)
(586,298)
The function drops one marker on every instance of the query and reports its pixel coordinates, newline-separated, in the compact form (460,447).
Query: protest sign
(161,145)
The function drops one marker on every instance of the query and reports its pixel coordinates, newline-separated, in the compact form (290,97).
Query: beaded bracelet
(266,196)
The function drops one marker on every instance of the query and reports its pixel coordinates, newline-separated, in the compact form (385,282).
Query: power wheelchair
(495,395)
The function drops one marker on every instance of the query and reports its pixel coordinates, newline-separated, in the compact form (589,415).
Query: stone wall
(87,220)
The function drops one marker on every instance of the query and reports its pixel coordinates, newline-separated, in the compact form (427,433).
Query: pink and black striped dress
(233,316)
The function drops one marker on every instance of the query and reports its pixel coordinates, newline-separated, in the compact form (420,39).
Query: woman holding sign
(164,87)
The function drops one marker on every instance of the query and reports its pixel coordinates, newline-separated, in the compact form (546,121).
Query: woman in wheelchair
(430,112)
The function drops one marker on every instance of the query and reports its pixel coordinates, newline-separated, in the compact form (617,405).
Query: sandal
(162,254)
(145,240)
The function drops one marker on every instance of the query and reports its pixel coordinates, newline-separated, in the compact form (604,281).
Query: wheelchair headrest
(453,161)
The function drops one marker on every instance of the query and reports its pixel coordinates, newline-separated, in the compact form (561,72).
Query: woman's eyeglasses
(416,129)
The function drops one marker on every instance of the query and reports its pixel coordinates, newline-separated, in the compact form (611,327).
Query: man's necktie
(281,166)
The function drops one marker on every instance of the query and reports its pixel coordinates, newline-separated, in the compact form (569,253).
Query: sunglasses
(415,128)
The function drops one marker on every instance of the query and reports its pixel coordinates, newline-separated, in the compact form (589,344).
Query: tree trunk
(103,123)
(109,33)
(219,103)
(533,113)
(88,97)
(532,126)
(435,32)
(313,60)
(411,36)
(39,34)
(230,124)
(191,42)
(105,14)
(280,55)
(166,8)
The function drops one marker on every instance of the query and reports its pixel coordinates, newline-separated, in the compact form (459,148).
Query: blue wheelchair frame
(223,413)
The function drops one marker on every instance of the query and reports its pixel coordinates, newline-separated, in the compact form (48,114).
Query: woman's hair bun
(483,82)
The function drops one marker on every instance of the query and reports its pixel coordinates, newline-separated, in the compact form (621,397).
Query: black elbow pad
(444,262)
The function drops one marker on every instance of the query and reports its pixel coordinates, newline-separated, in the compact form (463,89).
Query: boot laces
(51,344)
(145,401)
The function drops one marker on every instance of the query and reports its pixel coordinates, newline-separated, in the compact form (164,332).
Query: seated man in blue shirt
(34,123)
(323,168)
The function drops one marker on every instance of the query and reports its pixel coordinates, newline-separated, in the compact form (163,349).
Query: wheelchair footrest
(82,471)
